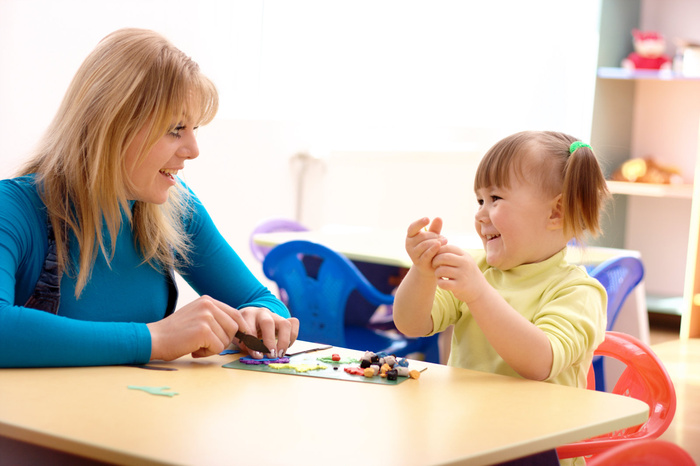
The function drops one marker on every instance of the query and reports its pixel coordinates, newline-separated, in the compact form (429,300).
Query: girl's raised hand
(457,272)
(423,241)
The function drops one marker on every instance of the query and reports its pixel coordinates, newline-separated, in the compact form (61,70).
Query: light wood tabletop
(229,416)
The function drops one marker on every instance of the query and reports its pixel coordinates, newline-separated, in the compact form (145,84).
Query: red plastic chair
(645,378)
(644,453)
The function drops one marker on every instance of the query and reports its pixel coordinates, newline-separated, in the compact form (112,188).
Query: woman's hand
(206,327)
(276,332)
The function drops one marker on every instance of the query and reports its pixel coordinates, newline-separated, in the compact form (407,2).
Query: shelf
(677,191)
(672,305)
(659,75)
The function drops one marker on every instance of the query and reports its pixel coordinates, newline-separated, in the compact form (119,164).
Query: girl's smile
(515,224)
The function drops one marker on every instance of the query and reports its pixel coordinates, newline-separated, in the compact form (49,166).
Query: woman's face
(153,176)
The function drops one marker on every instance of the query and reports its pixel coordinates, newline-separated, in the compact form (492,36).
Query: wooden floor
(682,361)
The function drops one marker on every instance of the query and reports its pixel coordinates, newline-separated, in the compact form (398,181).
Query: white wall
(394,100)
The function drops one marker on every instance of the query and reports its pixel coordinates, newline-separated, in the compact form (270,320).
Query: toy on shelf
(687,59)
(649,47)
(647,170)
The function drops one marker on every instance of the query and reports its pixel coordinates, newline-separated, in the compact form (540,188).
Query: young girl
(518,308)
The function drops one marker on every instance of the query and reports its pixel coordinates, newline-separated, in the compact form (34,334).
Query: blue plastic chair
(318,282)
(272,225)
(619,275)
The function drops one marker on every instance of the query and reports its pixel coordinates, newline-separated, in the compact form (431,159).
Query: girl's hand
(422,244)
(206,327)
(457,272)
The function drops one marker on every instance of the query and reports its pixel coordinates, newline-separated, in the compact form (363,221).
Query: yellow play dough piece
(297,367)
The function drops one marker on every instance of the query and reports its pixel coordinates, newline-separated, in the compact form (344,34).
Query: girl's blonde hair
(134,78)
(542,158)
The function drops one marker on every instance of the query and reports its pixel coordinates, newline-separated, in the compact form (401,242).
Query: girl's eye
(494,198)
(480,201)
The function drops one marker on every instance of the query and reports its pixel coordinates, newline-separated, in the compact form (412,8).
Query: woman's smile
(152,176)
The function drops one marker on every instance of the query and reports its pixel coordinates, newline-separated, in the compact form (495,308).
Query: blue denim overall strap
(172,292)
(47,292)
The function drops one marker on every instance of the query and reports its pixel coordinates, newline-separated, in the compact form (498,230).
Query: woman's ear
(556,214)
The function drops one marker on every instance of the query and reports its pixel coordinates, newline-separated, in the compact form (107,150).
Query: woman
(94,225)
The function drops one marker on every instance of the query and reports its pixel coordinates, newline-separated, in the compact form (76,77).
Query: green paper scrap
(329,360)
(153,390)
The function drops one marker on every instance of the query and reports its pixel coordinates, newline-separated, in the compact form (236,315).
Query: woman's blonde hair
(543,158)
(133,79)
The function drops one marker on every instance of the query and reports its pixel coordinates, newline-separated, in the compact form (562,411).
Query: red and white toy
(648,52)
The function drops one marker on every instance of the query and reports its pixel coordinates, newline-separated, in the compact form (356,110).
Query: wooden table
(228,416)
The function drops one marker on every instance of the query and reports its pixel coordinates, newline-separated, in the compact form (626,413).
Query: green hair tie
(576,144)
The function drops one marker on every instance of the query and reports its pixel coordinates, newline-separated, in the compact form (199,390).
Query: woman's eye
(175,132)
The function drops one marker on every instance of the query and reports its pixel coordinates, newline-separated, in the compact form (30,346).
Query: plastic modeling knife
(252,342)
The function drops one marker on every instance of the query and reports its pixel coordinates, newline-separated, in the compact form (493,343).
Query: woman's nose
(189,148)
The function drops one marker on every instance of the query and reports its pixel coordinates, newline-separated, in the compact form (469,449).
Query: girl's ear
(556,214)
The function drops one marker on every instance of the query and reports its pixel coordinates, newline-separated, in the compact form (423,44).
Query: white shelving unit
(647,113)
(678,191)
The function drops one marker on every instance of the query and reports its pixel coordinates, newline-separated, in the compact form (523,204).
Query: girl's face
(517,225)
(153,176)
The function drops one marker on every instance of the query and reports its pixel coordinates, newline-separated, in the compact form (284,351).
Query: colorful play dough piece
(383,365)
(355,370)
(331,360)
(297,367)
(255,362)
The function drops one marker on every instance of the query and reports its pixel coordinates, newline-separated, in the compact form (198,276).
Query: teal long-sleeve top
(107,324)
